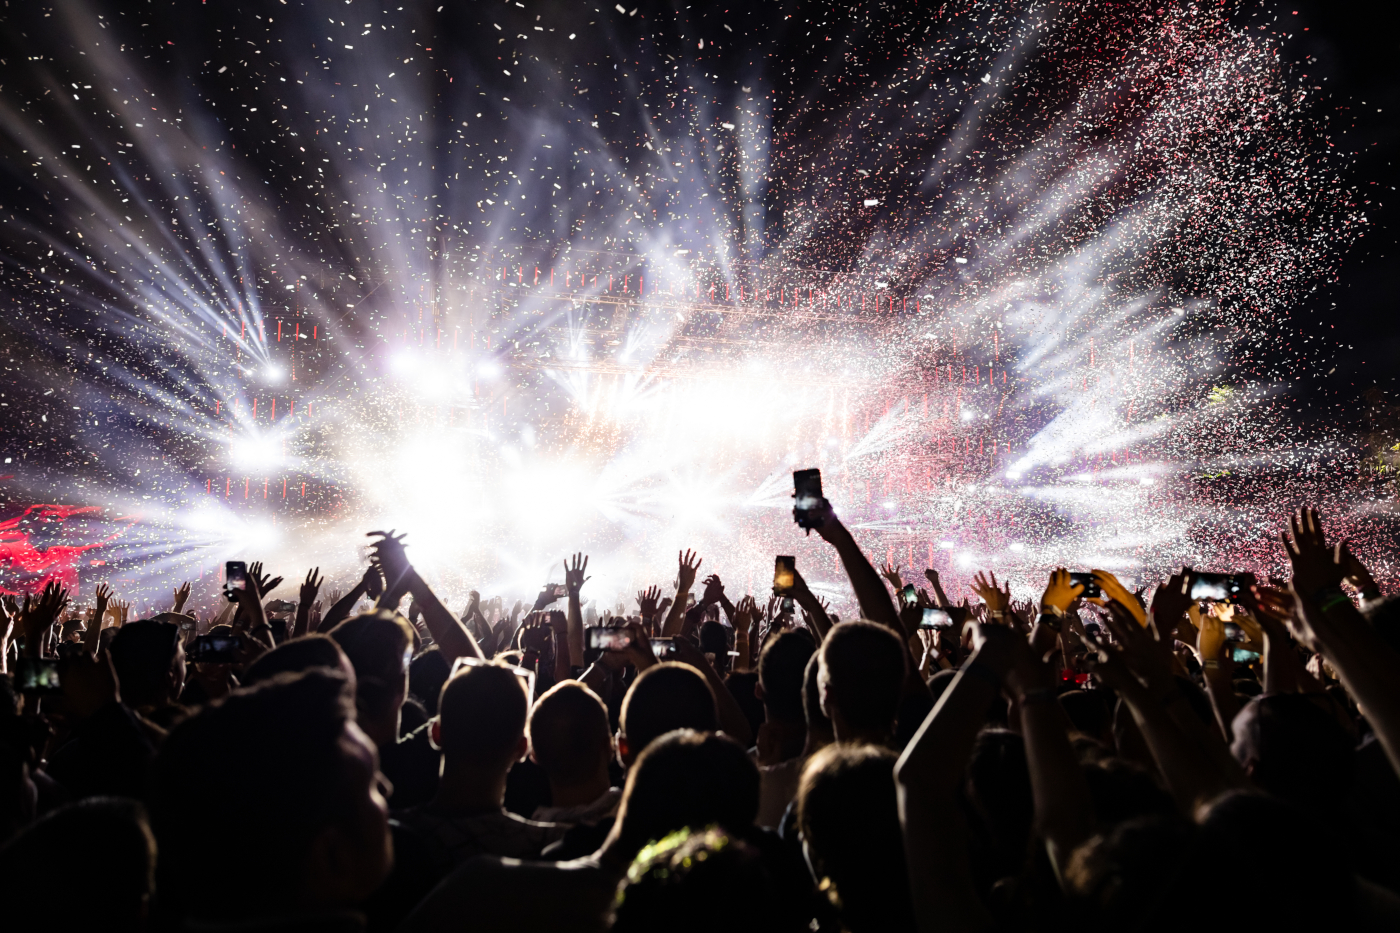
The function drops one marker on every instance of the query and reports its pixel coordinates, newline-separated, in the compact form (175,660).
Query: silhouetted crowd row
(1219,753)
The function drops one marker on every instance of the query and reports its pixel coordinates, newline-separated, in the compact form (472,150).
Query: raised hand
(1115,592)
(689,568)
(1149,656)
(714,590)
(1357,573)
(536,633)
(1170,602)
(574,571)
(102,595)
(311,586)
(1316,566)
(647,602)
(1060,590)
(372,583)
(996,599)
(181,596)
(391,557)
(891,573)
(262,583)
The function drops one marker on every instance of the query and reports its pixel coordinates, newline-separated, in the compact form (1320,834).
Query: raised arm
(452,638)
(309,588)
(731,716)
(1332,625)
(685,579)
(1064,812)
(812,605)
(574,580)
(874,599)
(928,778)
(371,584)
(93,635)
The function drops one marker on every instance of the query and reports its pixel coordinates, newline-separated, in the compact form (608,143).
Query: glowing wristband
(1330,598)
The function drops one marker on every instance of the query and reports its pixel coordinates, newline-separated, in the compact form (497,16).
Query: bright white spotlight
(488,369)
(1018,546)
(274,373)
(256,453)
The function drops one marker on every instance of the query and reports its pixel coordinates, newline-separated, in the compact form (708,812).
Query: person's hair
(1088,712)
(1123,879)
(697,882)
(663,698)
(688,778)
(781,668)
(375,642)
(481,715)
(1300,751)
(426,675)
(864,665)
(1121,791)
(105,840)
(714,638)
(847,811)
(1259,837)
(293,657)
(265,769)
(142,654)
(569,732)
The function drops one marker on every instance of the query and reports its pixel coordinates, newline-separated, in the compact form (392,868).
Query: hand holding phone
(784,575)
(807,498)
(37,675)
(1086,579)
(601,638)
(1216,587)
(664,648)
(235,577)
(936,618)
(216,649)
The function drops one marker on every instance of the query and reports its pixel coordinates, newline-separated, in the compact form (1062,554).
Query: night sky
(187,186)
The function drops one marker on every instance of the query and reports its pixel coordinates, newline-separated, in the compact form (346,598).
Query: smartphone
(560,591)
(215,649)
(909,595)
(664,648)
(37,675)
(235,576)
(1215,587)
(784,575)
(936,618)
(787,605)
(807,498)
(600,638)
(1244,656)
(1086,580)
(1233,633)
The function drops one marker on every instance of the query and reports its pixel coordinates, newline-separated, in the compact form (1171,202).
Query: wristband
(997,613)
(983,673)
(1051,609)
(1038,696)
(1330,598)
(1211,664)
